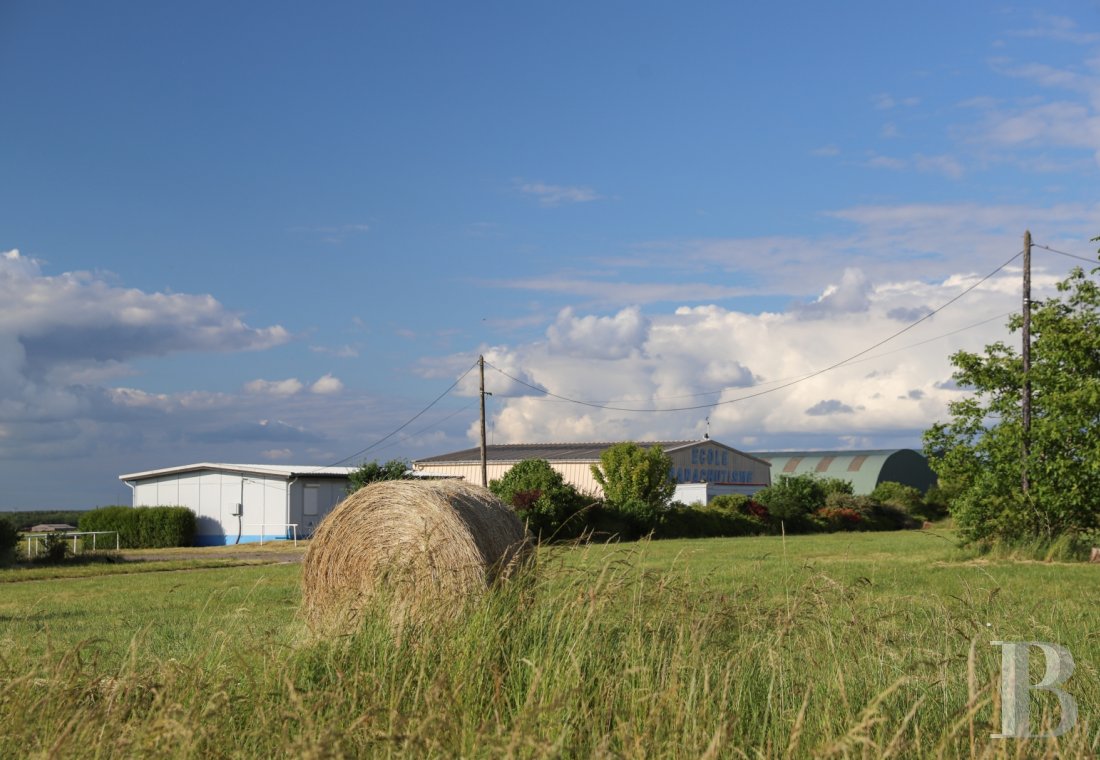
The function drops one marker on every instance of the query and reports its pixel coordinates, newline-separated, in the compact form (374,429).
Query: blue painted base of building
(247,538)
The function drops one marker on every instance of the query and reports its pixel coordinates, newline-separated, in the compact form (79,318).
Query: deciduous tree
(369,472)
(977,454)
(541,497)
(636,482)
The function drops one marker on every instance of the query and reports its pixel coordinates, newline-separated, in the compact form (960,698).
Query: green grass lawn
(844,645)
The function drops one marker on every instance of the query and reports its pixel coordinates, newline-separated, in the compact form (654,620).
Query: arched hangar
(863,469)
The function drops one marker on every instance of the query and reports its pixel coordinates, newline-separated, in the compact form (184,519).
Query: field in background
(827,645)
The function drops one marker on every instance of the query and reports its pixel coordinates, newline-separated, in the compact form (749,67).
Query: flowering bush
(840,518)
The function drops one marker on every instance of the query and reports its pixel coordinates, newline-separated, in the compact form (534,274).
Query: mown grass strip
(26,573)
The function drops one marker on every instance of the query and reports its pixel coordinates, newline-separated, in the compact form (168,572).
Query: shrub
(542,499)
(604,522)
(840,518)
(144,527)
(372,472)
(120,519)
(9,537)
(889,517)
(53,549)
(708,521)
(905,498)
(935,505)
(792,499)
(831,486)
(160,527)
(730,502)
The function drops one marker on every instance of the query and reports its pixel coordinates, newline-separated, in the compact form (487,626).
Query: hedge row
(144,527)
(9,536)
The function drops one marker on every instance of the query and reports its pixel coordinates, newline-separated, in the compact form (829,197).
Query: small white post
(93,541)
(116,541)
(74,544)
(294,528)
(28,547)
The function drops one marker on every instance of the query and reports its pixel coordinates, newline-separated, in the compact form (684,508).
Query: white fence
(33,539)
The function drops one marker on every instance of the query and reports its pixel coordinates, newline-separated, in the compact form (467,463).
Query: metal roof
(278,470)
(864,469)
(558,452)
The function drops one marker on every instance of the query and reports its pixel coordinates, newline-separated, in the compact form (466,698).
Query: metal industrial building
(271,497)
(863,469)
(702,469)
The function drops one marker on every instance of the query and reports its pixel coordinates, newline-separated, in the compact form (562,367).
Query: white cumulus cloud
(609,337)
(287,387)
(327,385)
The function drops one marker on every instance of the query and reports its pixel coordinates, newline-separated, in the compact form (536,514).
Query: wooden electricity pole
(484,463)
(1025,411)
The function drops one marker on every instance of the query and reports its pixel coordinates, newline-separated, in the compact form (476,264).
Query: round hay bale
(417,546)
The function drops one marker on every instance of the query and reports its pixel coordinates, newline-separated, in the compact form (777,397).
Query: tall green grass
(802,648)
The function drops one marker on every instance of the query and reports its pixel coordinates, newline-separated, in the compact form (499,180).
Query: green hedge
(144,527)
(706,522)
(9,537)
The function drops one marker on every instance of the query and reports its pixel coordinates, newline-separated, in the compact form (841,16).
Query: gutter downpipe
(240,514)
(289,487)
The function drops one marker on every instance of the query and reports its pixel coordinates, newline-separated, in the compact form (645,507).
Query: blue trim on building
(218,539)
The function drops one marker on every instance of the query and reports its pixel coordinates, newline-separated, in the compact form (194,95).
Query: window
(312,500)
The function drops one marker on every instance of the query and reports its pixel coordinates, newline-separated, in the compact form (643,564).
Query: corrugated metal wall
(329,493)
(212,496)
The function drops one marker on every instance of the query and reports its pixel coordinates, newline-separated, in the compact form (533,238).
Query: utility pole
(1025,412)
(484,463)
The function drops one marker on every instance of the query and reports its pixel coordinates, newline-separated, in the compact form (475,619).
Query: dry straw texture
(420,547)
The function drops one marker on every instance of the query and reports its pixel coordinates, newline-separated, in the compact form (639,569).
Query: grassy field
(842,645)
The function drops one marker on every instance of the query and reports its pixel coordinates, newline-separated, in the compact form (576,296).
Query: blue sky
(274,233)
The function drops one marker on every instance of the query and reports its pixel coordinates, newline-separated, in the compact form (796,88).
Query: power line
(408,422)
(426,428)
(1064,253)
(801,379)
(935,338)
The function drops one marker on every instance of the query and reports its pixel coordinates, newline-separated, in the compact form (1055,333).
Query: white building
(243,500)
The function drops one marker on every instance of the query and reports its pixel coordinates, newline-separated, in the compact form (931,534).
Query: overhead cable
(1064,253)
(408,422)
